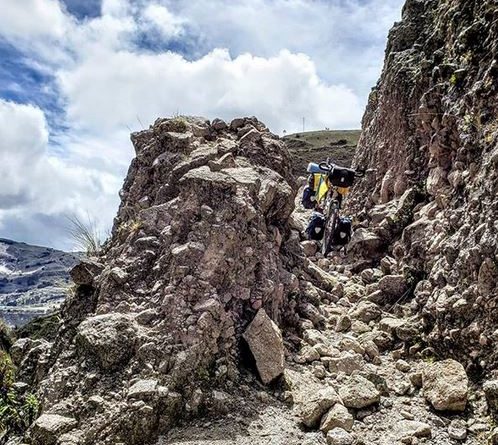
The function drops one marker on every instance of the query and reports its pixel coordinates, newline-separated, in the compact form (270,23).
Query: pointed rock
(265,342)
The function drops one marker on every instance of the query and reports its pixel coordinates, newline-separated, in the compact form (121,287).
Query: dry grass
(85,234)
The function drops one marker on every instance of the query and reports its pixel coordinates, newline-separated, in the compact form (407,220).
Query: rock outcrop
(430,133)
(154,327)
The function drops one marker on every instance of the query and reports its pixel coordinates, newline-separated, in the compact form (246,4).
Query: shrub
(17,410)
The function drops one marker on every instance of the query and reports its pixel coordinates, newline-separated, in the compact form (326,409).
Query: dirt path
(352,337)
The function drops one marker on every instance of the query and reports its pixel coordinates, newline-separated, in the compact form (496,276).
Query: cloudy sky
(76,76)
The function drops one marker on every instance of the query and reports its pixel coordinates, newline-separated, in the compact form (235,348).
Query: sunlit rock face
(430,133)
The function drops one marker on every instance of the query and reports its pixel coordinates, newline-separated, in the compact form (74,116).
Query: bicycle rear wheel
(329,230)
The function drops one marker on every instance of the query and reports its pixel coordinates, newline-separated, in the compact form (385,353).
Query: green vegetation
(131,226)
(325,138)
(178,124)
(317,146)
(17,409)
(41,328)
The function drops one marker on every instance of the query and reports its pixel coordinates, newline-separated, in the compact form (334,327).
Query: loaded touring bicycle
(328,185)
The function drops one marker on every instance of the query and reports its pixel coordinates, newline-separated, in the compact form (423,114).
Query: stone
(314,402)
(237,123)
(85,272)
(219,124)
(49,427)
(457,429)
(403,366)
(347,363)
(490,388)
(265,342)
(337,417)
(339,436)
(309,354)
(365,242)
(445,385)
(412,428)
(143,389)
(358,392)
(343,323)
(393,285)
(309,248)
(366,311)
(110,338)
(118,275)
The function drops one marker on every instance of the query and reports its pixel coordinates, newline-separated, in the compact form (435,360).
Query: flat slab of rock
(265,342)
(358,392)
(412,428)
(49,427)
(445,385)
(143,389)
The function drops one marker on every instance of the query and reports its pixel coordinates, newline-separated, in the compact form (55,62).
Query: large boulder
(265,342)
(445,385)
(109,338)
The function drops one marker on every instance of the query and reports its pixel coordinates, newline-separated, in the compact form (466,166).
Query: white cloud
(34,182)
(107,91)
(164,21)
(32,19)
(346,39)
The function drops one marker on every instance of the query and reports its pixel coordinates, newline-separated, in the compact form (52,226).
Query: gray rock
(265,342)
(85,272)
(358,392)
(490,388)
(219,124)
(339,436)
(457,429)
(337,417)
(314,402)
(49,427)
(393,285)
(412,428)
(143,389)
(109,338)
(445,385)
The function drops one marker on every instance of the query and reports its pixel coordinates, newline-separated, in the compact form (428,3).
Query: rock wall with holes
(431,205)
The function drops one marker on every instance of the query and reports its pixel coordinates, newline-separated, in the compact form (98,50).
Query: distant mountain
(33,280)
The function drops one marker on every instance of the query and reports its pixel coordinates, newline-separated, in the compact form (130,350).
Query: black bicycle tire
(329,231)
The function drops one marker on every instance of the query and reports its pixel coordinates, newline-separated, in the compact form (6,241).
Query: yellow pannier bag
(322,187)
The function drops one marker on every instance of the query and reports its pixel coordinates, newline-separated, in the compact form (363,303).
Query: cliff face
(155,324)
(431,134)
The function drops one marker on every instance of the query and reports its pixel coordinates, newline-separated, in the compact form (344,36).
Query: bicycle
(339,180)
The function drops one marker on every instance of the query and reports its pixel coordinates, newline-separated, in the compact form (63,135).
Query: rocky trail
(208,319)
(359,376)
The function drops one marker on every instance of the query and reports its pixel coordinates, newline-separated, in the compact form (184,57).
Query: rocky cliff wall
(200,246)
(431,134)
